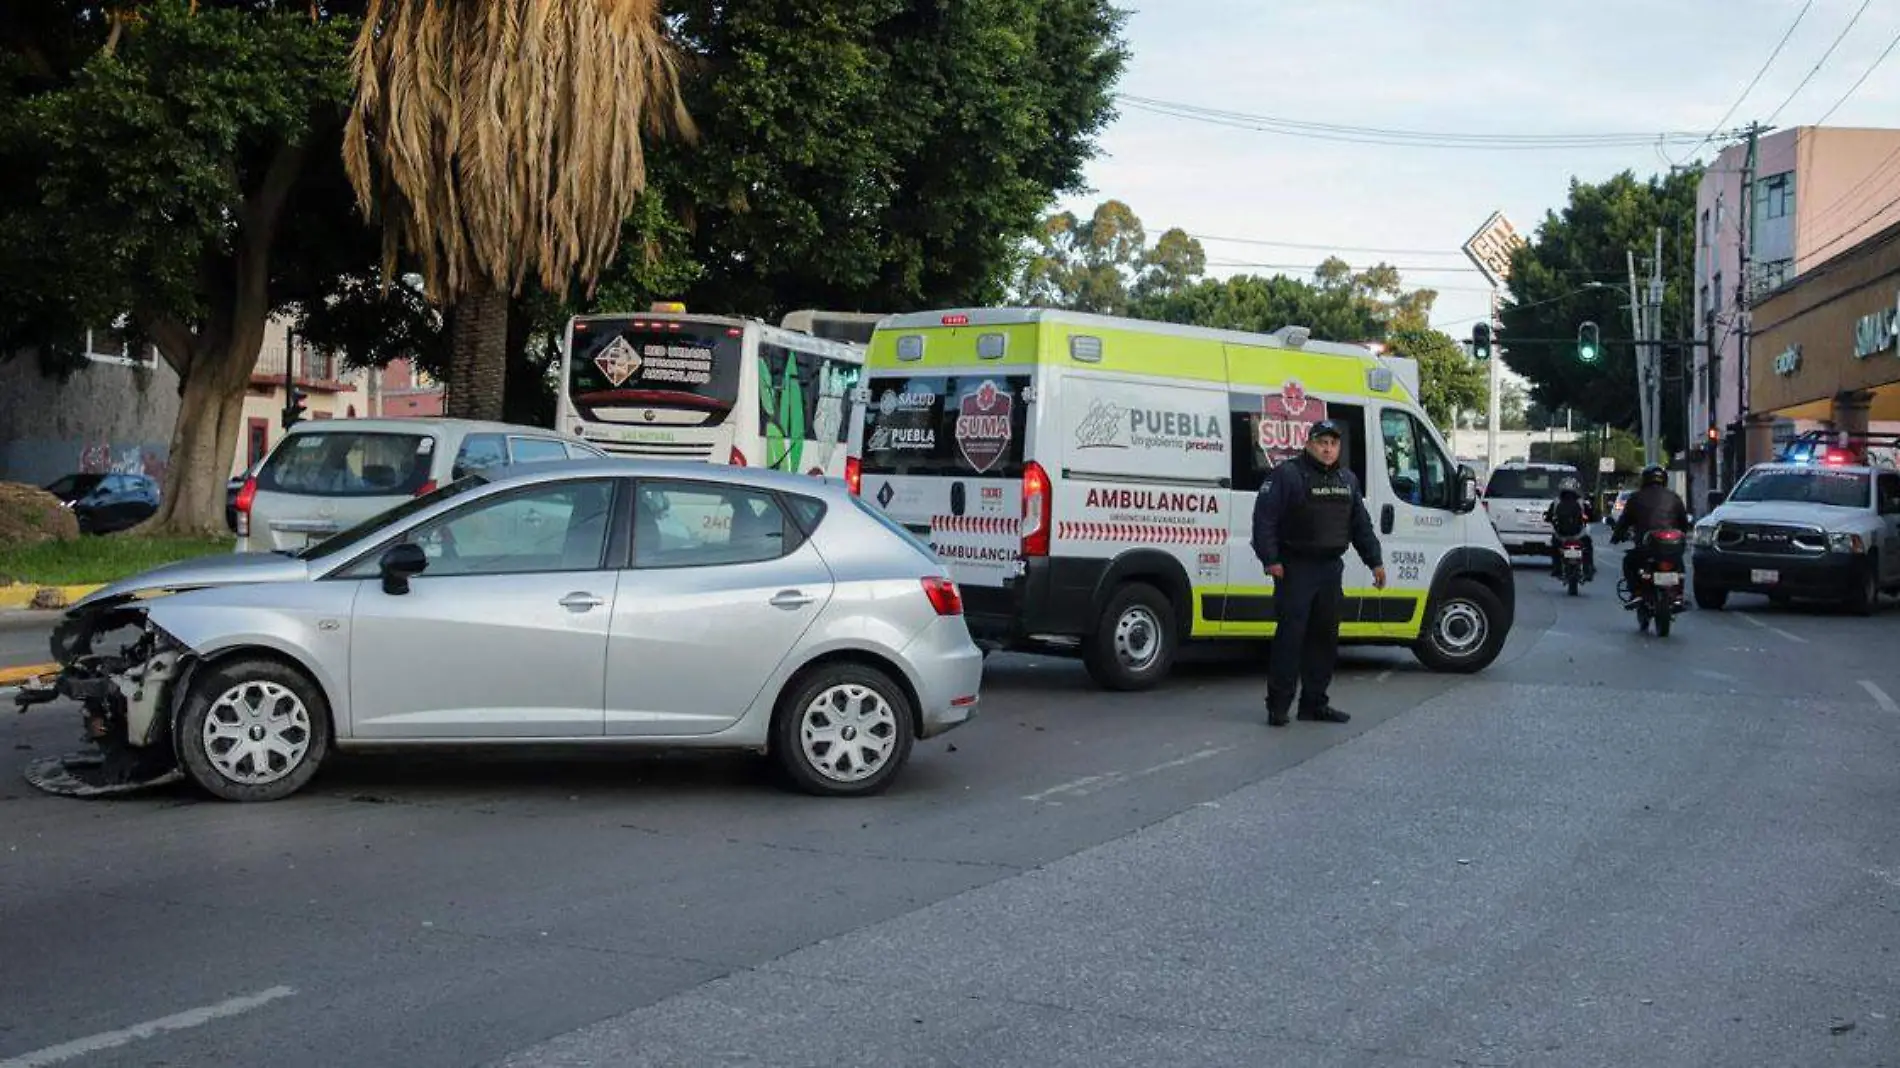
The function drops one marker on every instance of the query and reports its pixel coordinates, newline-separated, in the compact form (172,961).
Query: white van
(330,474)
(1091,482)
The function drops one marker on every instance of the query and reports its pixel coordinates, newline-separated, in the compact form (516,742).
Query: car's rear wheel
(1713,598)
(253,729)
(1135,639)
(843,730)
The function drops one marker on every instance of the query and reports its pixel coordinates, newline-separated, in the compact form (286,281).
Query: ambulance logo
(983,426)
(1285,420)
(619,362)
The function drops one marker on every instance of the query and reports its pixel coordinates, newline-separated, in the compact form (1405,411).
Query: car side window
(576,451)
(561,526)
(677,524)
(536,450)
(479,451)
(1889,494)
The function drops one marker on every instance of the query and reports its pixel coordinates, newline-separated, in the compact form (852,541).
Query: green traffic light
(1589,342)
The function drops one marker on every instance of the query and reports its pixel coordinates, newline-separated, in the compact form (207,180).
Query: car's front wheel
(253,729)
(843,731)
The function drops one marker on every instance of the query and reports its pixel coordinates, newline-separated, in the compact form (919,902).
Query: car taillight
(854,475)
(738,458)
(426,488)
(944,596)
(1036,510)
(245,499)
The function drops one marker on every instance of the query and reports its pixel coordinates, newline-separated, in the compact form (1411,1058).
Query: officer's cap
(1324,428)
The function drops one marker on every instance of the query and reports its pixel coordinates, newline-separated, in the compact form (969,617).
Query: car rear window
(349,464)
(1525,484)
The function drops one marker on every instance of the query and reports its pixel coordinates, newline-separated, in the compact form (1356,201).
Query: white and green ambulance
(1091,482)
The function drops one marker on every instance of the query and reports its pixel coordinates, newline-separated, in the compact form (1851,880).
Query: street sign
(1606,464)
(1491,247)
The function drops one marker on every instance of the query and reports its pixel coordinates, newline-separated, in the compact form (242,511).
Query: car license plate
(1764,578)
(1573,554)
(1668,578)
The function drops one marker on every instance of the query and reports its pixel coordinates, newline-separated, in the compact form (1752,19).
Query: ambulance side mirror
(1467,489)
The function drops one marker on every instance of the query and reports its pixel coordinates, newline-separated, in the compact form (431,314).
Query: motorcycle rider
(1569,517)
(1654,507)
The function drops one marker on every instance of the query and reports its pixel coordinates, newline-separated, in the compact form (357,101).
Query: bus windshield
(646,364)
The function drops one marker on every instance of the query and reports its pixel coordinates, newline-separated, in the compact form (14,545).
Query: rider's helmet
(1654,475)
(1569,487)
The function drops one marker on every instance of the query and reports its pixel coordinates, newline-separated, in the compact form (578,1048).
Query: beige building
(330,391)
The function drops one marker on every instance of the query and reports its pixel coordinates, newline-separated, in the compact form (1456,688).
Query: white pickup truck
(1807,531)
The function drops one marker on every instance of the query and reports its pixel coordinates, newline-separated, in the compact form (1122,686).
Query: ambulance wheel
(1464,629)
(1134,641)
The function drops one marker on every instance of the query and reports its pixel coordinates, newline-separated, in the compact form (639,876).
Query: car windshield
(342,539)
(1813,485)
(1526,484)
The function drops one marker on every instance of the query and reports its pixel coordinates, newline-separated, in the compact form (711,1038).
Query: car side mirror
(1467,489)
(401,563)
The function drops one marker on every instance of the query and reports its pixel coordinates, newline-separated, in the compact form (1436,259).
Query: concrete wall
(106,416)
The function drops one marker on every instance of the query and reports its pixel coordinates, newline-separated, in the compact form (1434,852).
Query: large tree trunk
(478,358)
(204,445)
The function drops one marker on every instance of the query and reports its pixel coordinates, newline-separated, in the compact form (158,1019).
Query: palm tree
(502,139)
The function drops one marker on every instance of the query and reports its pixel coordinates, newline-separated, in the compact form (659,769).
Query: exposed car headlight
(1704,535)
(1845,543)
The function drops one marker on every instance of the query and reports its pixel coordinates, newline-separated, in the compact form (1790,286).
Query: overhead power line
(1818,64)
(1327,248)
(1852,89)
(1373,135)
(1752,82)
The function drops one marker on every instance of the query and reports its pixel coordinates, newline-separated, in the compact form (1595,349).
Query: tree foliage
(1105,264)
(1339,304)
(169,165)
(1449,379)
(1589,242)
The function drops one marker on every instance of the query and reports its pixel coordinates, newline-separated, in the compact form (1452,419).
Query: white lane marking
(1090,784)
(1880,696)
(1383,675)
(105,1040)
(1777,630)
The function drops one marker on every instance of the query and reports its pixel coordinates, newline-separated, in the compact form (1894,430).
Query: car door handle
(789,599)
(581,602)
(1386,518)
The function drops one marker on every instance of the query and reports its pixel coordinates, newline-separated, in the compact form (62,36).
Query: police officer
(1308,513)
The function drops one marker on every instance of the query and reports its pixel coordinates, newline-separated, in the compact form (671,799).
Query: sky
(1452,66)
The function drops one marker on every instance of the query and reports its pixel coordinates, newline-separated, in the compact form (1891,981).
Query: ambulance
(1091,480)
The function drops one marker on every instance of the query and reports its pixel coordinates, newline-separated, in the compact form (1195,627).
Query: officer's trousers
(1306,605)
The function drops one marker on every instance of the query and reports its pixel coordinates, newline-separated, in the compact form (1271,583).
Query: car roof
(1790,465)
(417,425)
(618,467)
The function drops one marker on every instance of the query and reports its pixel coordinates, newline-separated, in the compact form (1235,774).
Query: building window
(109,345)
(1774,196)
(1717,306)
(1707,238)
(1773,274)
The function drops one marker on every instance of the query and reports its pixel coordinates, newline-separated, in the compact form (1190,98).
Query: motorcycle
(1661,589)
(1571,553)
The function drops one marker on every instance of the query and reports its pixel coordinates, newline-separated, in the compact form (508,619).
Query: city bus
(666,384)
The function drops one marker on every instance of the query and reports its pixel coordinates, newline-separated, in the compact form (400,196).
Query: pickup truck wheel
(1713,598)
(1866,597)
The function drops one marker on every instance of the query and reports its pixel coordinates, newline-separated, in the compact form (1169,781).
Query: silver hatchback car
(588,601)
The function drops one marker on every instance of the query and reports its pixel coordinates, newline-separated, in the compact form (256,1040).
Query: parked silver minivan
(327,475)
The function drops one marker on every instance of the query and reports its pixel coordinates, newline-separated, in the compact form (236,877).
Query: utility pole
(1743,390)
(1639,335)
(1491,417)
(1652,443)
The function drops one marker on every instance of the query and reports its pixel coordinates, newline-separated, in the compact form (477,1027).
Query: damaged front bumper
(127,700)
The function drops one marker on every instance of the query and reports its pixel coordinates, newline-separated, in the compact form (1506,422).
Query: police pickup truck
(1826,531)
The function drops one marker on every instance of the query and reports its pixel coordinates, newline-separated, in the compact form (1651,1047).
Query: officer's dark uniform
(1304,519)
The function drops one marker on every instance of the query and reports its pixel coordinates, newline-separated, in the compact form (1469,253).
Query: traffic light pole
(1493,406)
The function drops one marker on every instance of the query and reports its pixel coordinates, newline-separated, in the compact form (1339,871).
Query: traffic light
(1589,343)
(1481,341)
(294,407)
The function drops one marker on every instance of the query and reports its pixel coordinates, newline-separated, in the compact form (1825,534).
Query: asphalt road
(1609,849)
(23,638)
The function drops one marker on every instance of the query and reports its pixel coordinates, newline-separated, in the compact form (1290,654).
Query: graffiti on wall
(100,458)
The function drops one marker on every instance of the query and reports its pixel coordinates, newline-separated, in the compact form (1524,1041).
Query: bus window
(619,369)
(804,402)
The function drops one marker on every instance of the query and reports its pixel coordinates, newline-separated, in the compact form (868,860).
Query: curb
(13,676)
(21,595)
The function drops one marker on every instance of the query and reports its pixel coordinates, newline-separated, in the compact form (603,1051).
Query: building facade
(1827,350)
(1817,191)
(115,412)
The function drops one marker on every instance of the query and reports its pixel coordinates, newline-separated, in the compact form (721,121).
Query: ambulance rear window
(950,425)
